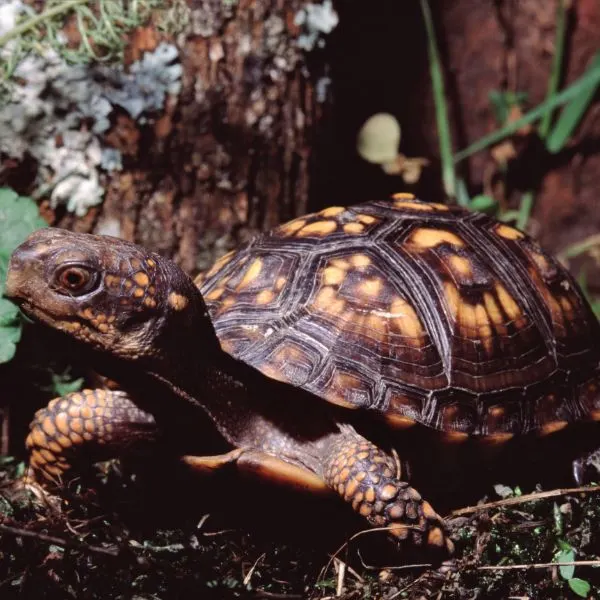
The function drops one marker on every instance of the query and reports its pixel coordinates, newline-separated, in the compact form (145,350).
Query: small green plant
(19,216)
(566,554)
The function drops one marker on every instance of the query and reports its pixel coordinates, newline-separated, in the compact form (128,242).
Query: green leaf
(462,193)
(566,571)
(573,112)
(441,109)
(580,587)
(19,216)
(483,203)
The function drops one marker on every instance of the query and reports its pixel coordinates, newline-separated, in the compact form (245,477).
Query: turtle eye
(75,280)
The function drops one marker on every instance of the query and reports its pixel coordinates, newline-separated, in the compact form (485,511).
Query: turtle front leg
(369,479)
(85,427)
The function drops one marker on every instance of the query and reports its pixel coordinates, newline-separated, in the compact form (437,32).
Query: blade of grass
(572,114)
(441,110)
(34,21)
(587,81)
(559,47)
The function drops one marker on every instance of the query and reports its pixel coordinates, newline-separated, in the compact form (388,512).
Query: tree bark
(231,155)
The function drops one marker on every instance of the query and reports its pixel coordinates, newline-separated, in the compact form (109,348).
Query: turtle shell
(423,312)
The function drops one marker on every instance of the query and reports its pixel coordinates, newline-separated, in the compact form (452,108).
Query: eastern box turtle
(416,312)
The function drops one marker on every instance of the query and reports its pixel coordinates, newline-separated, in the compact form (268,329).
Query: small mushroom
(378,141)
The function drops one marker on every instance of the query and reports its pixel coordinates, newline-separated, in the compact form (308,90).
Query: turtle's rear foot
(369,479)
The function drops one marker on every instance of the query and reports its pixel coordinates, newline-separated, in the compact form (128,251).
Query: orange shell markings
(425,237)
(318,228)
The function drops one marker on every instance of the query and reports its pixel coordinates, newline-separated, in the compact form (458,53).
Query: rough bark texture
(231,155)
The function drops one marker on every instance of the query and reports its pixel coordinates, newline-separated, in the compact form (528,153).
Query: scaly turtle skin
(417,312)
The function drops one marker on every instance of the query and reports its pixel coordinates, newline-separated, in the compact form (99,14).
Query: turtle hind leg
(85,427)
(369,479)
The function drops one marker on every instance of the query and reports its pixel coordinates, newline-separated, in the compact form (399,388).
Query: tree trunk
(231,155)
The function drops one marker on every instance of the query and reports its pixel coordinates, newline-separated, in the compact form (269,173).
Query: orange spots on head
(112,281)
(251,274)
(318,228)
(354,227)
(177,301)
(508,233)
(425,237)
(150,263)
(403,195)
(87,313)
(511,308)
(138,292)
(265,297)
(150,302)
(280,283)
(405,319)
(141,279)
(332,211)
(333,275)
(103,328)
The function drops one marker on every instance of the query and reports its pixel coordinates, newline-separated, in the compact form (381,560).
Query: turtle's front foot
(369,479)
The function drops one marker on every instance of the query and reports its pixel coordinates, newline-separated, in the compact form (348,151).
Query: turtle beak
(19,275)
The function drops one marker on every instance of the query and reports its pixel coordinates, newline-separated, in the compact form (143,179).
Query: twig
(17,532)
(526,498)
(341,577)
(248,576)
(572,563)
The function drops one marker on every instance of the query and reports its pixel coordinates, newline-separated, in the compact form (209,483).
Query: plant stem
(441,110)
(34,21)
(559,47)
(587,81)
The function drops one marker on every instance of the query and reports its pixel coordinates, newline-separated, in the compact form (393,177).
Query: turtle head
(107,293)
